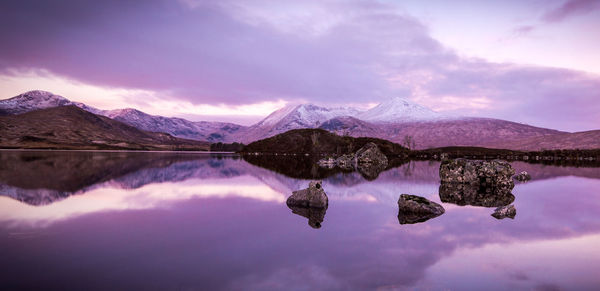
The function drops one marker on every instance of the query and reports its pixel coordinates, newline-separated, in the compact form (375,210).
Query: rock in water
(370,154)
(482,173)
(415,209)
(505,211)
(313,196)
(370,161)
(315,215)
(523,177)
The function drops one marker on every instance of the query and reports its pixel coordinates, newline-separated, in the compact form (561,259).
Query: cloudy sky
(530,61)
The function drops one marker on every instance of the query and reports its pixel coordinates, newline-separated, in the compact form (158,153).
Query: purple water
(201,222)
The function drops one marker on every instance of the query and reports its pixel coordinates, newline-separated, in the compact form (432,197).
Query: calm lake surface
(184,221)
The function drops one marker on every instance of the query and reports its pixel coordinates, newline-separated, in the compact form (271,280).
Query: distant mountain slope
(399,110)
(70,127)
(441,133)
(577,140)
(178,127)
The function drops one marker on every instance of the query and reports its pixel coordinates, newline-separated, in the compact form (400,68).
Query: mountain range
(394,120)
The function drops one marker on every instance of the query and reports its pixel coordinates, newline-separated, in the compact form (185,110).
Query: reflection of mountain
(44,177)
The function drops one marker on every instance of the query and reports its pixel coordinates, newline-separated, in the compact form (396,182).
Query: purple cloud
(225,52)
(570,8)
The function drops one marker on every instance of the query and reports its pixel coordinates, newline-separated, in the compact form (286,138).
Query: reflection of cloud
(146,197)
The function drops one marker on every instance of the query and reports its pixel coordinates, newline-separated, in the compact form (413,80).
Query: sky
(529,61)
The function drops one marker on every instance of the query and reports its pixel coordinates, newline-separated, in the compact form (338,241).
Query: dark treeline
(226,147)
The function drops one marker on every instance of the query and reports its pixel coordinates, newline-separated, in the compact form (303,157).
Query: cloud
(570,8)
(234,53)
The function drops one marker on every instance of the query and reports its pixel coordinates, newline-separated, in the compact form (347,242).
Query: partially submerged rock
(478,173)
(313,196)
(474,195)
(523,177)
(415,209)
(505,211)
(370,154)
(315,215)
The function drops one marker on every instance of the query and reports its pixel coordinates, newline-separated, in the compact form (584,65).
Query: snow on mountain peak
(398,109)
(32,100)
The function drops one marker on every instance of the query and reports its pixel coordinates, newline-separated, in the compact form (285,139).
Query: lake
(189,221)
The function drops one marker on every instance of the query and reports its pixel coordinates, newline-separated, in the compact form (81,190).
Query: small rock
(415,209)
(313,196)
(523,177)
(505,211)
(327,163)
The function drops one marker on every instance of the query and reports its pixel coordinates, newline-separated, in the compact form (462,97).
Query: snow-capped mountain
(399,110)
(178,127)
(294,117)
(32,100)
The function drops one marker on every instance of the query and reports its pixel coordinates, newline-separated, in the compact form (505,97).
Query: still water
(184,221)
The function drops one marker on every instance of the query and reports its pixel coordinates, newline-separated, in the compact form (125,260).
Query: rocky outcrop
(479,173)
(523,177)
(415,209)
(315,215)
(466,194)
(369,161)
(313,196)
(370,154)
(505,211)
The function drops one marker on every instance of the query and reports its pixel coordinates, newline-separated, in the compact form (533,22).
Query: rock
(415,209)
(345,162)
(523,177)
(480,173)
(475,195)
(505,211)
(370,154)
(327,163)
(315,215)
(313,196)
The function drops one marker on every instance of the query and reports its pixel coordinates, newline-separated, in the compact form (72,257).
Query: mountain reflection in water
(108,220)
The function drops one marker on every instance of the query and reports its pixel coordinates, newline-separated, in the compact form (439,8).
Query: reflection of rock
(466,194)
(313,196)
(523,176)
(315,215)
(415,209)
(504,212)
(484,173)
(345,162)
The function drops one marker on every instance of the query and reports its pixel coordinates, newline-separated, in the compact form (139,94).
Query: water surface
(184,221)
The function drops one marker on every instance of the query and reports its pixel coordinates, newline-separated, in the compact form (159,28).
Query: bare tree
(409,142)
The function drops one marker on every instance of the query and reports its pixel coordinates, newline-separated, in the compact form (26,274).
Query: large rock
(475,195)
(315,215)
(505,211)
(370,154)
(415,209)
(313,196)
(481,173)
